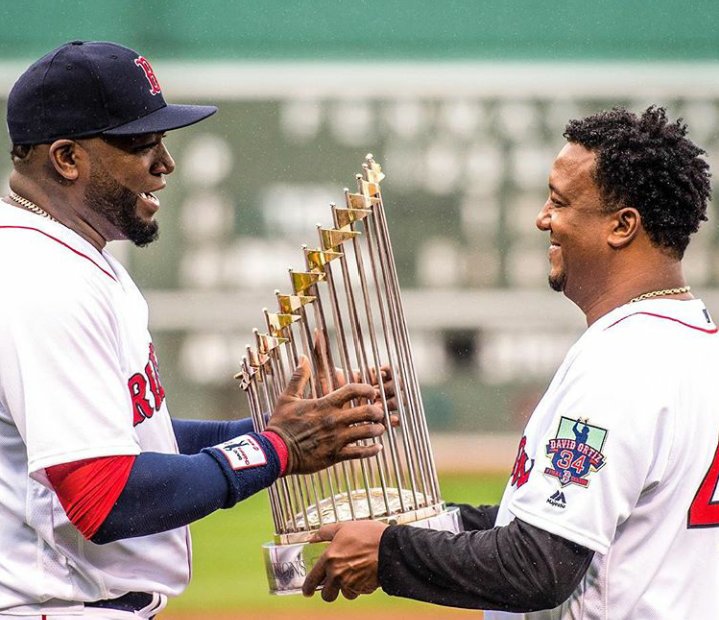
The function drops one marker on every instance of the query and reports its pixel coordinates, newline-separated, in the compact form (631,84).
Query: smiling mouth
(150,197)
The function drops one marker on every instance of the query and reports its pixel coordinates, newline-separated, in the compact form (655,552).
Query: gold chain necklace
(31,206)
(661,293)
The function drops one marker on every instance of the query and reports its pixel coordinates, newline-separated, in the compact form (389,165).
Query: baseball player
(611,510)
(97,481)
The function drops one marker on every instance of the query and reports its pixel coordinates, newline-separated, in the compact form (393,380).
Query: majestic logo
(576,451)
(557,500)
(146,67)
(140,384)
(522,465)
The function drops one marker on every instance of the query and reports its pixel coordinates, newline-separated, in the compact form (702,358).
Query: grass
(229,572)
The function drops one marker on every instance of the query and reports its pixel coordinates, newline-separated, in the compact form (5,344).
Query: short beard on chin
(118,205)
(557,283)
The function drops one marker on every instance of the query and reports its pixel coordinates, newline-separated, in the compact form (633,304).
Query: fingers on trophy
(345,313)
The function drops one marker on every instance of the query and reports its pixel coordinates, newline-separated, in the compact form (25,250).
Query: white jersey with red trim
(78,379)
(621,456)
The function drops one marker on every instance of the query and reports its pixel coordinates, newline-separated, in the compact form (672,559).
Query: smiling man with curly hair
(612,510)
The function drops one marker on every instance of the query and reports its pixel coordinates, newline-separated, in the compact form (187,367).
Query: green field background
(228,574)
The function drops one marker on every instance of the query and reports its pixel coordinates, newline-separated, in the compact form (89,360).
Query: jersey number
(704,512)
(566,462)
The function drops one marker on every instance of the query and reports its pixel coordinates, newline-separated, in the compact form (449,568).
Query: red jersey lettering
(141,408)
(520,471)
(153,375)
(139,385)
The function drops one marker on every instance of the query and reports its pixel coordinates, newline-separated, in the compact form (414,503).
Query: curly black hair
(648,163)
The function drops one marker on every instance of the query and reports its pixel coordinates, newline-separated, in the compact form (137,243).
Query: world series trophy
(345,313)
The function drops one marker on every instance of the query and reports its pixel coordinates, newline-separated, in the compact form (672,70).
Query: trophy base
(288,564)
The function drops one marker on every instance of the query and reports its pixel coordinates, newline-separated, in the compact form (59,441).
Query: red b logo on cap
(144,64)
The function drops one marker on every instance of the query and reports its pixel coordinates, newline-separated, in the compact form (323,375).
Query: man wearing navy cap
(97,482)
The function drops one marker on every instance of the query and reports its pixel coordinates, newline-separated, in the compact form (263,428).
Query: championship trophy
(345,314)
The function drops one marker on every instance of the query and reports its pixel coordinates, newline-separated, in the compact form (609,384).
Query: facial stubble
(118,205)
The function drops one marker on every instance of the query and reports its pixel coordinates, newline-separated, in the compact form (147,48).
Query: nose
(164,164)
(543,217)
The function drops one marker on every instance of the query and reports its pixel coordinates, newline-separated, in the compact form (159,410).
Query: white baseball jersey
(78,379)
(620,456)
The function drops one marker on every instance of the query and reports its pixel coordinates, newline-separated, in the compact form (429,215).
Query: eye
(149,145)
(140,148)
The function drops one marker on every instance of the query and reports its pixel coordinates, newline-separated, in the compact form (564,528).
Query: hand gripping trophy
(345,314)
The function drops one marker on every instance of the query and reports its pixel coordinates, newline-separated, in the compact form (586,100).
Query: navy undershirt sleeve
(166,491)
(194,435)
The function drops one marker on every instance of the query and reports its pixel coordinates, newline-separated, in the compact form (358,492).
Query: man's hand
(337,377)
(320,432)
(349,565)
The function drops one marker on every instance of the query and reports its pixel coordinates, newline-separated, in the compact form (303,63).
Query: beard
(557,282)
(118,205)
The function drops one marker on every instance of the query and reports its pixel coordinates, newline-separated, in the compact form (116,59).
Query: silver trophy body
(345,314)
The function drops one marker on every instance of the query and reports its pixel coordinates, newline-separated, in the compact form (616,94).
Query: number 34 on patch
(576,451)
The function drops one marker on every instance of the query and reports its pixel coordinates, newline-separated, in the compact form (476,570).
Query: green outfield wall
(463,103)
(372,29)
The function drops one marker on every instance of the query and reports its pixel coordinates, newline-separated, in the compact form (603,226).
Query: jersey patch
(243,452)
(576,451)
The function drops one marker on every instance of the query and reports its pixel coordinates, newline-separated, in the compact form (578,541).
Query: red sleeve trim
(280,447)
(88,489)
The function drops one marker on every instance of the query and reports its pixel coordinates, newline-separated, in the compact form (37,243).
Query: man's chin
(556,283)
(142,234)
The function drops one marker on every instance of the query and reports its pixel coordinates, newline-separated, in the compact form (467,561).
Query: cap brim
(172,116)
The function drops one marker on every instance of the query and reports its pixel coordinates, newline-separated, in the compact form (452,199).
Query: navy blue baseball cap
(87,88)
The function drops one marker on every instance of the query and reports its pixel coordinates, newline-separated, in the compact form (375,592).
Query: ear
(63,158)
(626,224)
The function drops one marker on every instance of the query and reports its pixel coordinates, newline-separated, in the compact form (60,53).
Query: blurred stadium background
(464,104)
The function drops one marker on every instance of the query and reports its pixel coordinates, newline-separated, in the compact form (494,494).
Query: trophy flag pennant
(317,259)
(371,190)
(289,304)
(373,170)
(266,342)
(303,280)
(345,217)
(245,375)
(277,322)
(334,237)
(360,201)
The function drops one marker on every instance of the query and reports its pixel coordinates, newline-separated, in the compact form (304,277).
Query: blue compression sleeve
(193,435)
(166,491)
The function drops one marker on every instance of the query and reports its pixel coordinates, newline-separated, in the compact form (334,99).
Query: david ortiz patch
(576,451)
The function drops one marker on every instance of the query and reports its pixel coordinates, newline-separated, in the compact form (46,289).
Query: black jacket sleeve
(477,517)
(514,568)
